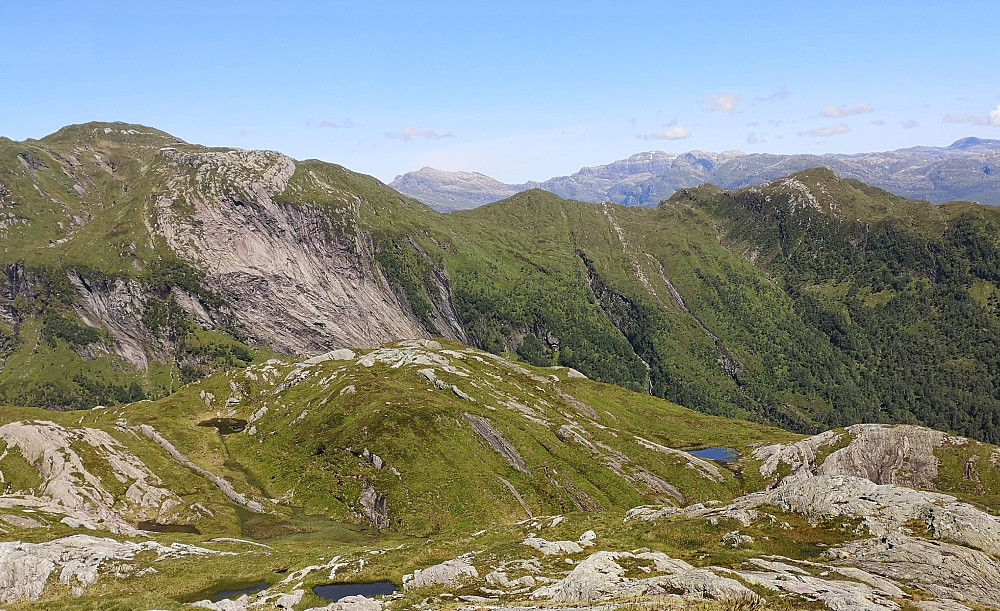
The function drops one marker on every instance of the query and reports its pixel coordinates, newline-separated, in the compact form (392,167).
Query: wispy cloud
(825,132)
(778,96)
(967,118)
(753,138)
(909,124)
(409,133)
(722,102)
(323,123)
(879,123)
(779,122)
(837,112)
(671,131)
(991,118)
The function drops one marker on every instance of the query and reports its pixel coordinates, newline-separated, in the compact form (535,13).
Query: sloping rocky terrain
(967,170)
(469,480)
(233,377)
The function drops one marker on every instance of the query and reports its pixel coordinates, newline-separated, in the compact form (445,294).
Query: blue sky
(517,90)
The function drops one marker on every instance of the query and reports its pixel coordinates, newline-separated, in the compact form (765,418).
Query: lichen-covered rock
(485,429)
(25,568)
(375,506)
(945,570)
(449,574)
(238,604)
(800,456)
(71,489)
(288,601)
(836,594)
(703,467)
(601,577)
(553,548)
(885,454)
(288,282)
(884,509)
(351,603)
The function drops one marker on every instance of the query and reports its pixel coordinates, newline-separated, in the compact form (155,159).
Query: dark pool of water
(237,592)
(228,589)
(156,527)
(721,454)
(225,426)
(336,591)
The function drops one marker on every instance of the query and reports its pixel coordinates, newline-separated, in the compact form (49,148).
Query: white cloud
(879,123)
(824,132)
(836,112)
(909,124)
(753,138)
(967,118)
(778,96)
(325,123)
(409,133)
(670,132)
(722,102)
(995,116)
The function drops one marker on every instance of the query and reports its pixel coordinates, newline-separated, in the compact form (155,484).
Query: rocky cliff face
(288,284)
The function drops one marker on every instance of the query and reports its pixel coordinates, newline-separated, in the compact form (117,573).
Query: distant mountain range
(967,170)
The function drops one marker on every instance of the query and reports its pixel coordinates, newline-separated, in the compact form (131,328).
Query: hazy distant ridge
(969,169)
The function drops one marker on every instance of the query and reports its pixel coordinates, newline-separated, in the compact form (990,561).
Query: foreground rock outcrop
(885,454)
(25,568)
(71,489)
(601,577)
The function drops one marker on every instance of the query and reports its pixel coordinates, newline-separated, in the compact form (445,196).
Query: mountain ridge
(964,170)
(201,310)
(133,267)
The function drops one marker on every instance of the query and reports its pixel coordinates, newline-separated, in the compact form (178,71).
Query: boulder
(601,577)
(553,548)
(449,574)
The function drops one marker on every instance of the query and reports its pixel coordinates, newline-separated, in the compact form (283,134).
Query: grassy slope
(448,487)
(807,305)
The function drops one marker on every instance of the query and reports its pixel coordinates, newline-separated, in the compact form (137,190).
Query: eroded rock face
(885,454)
(375,506)
(800,456)
(290,281)
(25,568)
(945,570)
(69,488)
(118,307)
(884,509)
(484,428)
(836,594)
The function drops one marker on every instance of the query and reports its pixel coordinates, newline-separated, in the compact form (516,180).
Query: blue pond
(336,591)
(721,454)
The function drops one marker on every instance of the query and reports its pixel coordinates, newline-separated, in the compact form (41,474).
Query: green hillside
(812,302)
